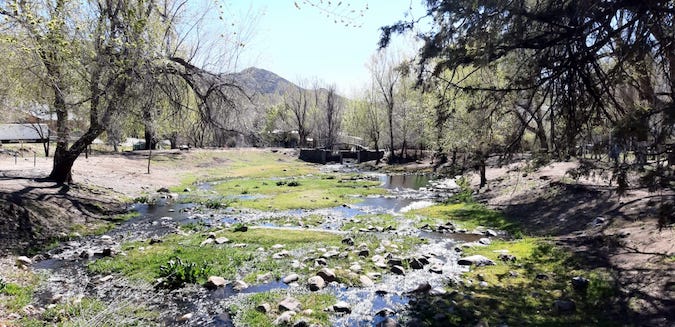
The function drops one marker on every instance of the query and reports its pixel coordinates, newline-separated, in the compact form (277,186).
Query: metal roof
(19,132)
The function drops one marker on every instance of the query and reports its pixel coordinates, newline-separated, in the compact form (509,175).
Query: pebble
(185,317)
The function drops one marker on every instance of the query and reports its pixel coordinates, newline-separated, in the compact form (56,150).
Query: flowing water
(390,295)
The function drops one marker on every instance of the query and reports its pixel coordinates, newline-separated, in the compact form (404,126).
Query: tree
(96,55)
(383,70)
(573,57)
(332,116)
(298,104)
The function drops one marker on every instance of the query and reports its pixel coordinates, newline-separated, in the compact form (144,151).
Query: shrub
(293,183)
(176,273)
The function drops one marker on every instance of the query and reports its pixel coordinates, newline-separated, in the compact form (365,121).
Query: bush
(465,194)
(293,183)
(176,273)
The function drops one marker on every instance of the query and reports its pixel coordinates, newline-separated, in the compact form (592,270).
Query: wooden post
(149,157)
(34,159)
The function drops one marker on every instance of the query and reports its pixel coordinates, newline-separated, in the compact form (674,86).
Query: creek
(67,274)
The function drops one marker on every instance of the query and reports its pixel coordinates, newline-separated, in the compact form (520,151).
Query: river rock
(364,253)
(284,318)
(239,285)
(356,268)
(416,263)
(421,288)
(395,261)
(301,323)
(330,254)
(476,260)
(222,240)
(185,317)
(215,282)
(56,298)
(264,308)
(278,246)
(289,304)
(342,307)
(163,190)
(206,242)
(316,283)
(321,262)
(580,284)
(490,232)
(155,240)
(348,241)
(365,281)
(264,278)
(327,274)
(280,255)
(106,238)
(484,241)
(388,322)
(564,306)
(506,257)
(436,268)
(290,278)
(398,270)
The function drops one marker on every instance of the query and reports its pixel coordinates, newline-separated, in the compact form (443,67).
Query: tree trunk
(390,118)
(483,179)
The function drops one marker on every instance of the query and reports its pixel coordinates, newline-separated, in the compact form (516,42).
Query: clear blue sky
(305,44)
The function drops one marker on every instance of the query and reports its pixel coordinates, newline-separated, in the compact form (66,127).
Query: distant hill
(261,81)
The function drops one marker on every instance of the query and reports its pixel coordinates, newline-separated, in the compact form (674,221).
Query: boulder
(365,281)
(327,274)
(289,304)
(163,190)
(398,270)
(348,241)
(185,317)
(436,268)
(316,283)
(239,285)
(421,288)
(580,284)
(416,263)
(284,318)
(476,260)
(291,278)
(264,308)
(564,306)
(506,257)
(280,255)
(215,282)
(222,240)
(342,307)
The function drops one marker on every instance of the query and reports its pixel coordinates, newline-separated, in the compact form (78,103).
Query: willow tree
(93,55)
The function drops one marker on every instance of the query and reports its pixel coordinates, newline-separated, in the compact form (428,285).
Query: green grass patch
(14,297)
(306,192)
(143,261)
(246,315)
(88,312)
(465,215)
(219,165)
(364,221)
(522,292)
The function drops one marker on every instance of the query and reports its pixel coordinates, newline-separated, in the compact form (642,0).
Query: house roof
(18,132)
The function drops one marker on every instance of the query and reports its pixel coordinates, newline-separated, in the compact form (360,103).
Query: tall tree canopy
(581,63)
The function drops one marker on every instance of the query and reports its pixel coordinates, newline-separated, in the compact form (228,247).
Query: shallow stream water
(390,293)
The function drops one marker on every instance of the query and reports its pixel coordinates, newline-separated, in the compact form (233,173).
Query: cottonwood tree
(299,104)
(385,76)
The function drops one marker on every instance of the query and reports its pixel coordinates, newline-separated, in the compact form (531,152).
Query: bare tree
(385,77)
